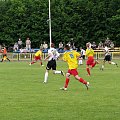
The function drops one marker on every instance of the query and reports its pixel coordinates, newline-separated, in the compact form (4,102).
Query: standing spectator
(15,48)
(71,57)
(28,44)
(19,43)
(45,46)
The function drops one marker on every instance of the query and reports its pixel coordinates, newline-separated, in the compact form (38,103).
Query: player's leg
(54,69)
(66,82)
(46,76)
(80,62)
(82,81)
(34,61)
(88,70)
(8,59)
(46,72)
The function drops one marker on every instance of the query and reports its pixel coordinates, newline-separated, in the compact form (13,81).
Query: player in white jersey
(82,57)
(52,57)
(107,58)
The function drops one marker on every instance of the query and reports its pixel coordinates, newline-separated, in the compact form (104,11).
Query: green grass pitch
(23,96)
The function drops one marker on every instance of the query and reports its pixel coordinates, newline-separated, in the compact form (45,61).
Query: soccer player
(38,56)
(4,52)
(82,57)
(52,57)
(71,57)
(90,61)
(107,58)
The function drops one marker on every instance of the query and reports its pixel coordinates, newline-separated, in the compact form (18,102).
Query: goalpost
(50,24)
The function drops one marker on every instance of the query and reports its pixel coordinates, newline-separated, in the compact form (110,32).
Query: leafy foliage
(81,20)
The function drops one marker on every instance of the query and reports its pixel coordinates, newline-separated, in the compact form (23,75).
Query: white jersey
(82,52)
(106,51)
(53,53)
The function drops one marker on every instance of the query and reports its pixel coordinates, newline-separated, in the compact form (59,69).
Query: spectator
(60,46)
(19,43)
(45,46)
(112,45)
(15,48)
(93,45)
(100,45)
(28,44)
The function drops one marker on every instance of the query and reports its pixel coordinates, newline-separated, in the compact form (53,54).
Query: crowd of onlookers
(26,47)
(19,45)
(109,43)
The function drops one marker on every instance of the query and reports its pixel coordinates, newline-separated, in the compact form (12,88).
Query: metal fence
(30,56)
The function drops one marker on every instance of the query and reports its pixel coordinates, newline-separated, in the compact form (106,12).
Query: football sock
(66,82)
(93,65)
(46,77)
(82,81)
(57,72)
(88,71)
(32,62)
(8,59)
(41,63)
(113,63)
(80,62)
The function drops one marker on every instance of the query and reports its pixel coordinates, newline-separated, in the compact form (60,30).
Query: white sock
(46,76)
(57,72)
(112,63)
(102,66)
(80,62)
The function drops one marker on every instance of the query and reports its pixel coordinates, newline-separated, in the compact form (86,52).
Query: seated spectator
(112,45)
(60,46)
(100,45)
(93,45)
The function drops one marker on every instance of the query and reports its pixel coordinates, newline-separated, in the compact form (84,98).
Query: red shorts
(90,60)
(73,72)
(37,58)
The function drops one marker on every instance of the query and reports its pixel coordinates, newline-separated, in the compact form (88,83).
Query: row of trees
(82,20)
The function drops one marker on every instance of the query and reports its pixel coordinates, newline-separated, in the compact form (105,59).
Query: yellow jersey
(38,53)
(71,57)
(89,52)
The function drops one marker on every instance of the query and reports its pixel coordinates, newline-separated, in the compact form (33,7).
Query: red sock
(66,82)
(93,65)
(41,63)
(88,70)
(82,81)
(32,62)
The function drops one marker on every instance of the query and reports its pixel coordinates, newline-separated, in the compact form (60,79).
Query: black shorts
(107,58)
(83,56)
(51,64)
(4,55)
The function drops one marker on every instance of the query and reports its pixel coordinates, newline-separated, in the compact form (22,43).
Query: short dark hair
(52,45)
(67,47)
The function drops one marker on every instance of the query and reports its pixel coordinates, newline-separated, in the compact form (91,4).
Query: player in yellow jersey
(71,57)
(38,56)
(90,61)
